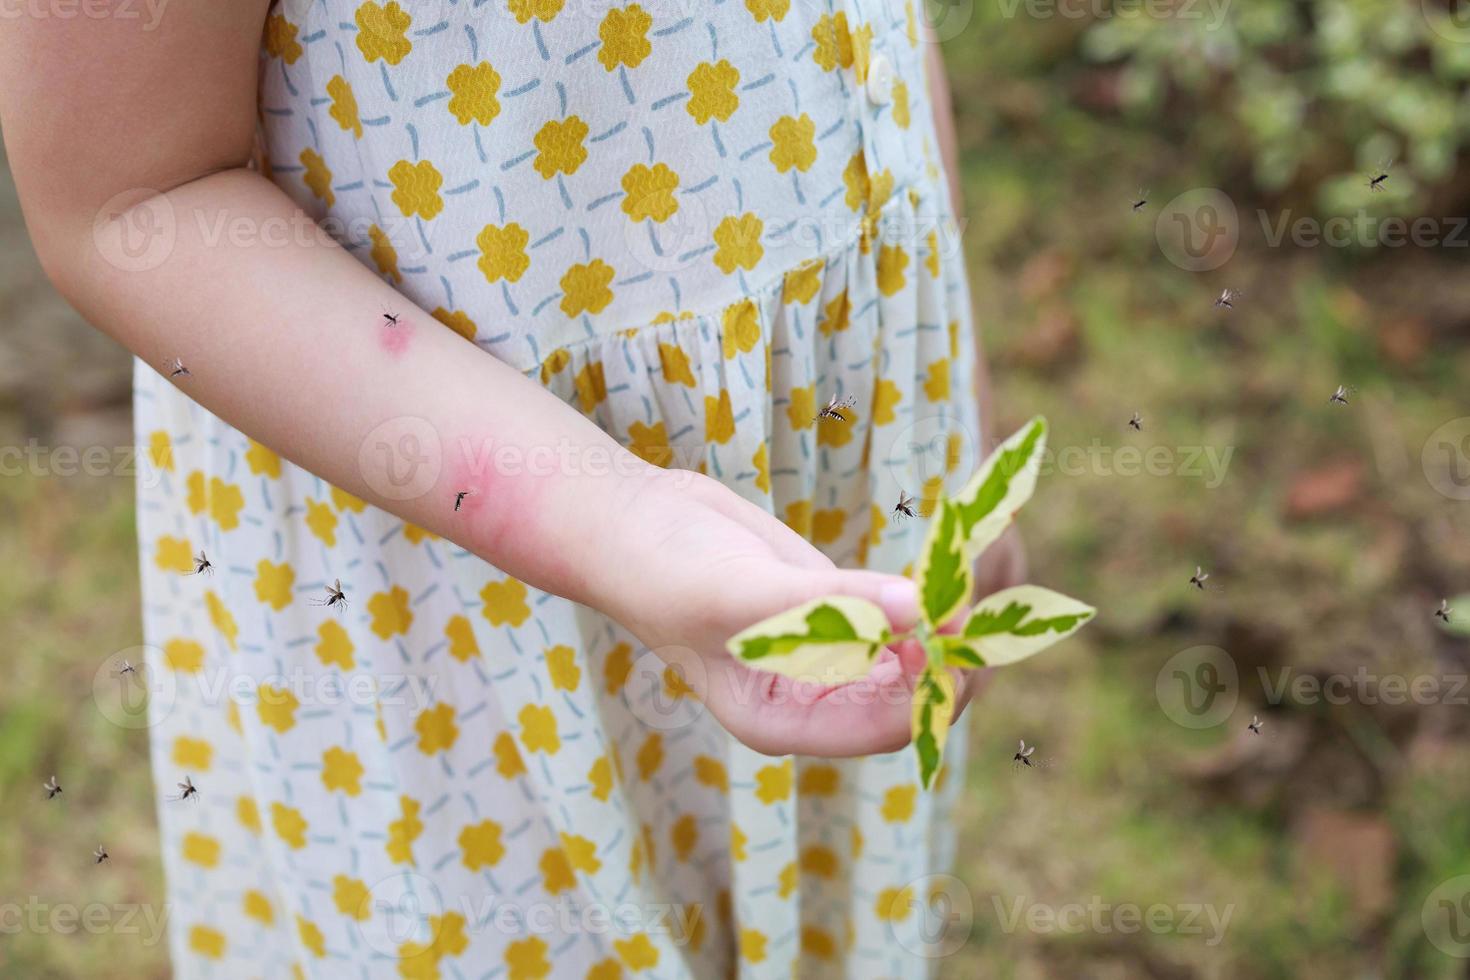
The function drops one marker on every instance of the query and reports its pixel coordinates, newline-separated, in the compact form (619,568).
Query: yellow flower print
(318,177)
(901,104)
(685,836)
(222,500)
(719,418)
(855,179)
(936,387)
(418,962)
(862,52)
(798,517)
(559,147)
(174,555)
(650,443)
(503,252)
(591,385)
(773,9)
(436,728)
(802,283)
(739,241)
(543,10)
(740,328)
(207,942)
(456,320)
(321,520)
(461,635)
(892,260)
(585,288)
(712,91)
(711,772)
(556,871)
(608,969)
(835,315)
(954,448)
(184,656)
(650,192)
(193,754)
(762,464)
(161,450)
(801,410)
(221,618)
(893,904)
(248,814)
(276,707)
(474,93)
(773,783)
(232,718)
(416,188)
(898,803)
(650,756)
(381,32)
(311,937)
(538,729)
(624,36)
(352,898)
(675,686)
(834,41)
(507,757)
(334,645)
(417,535)
(263,461)
(792,143)
(480,845)
(617,667)
(561,664)
(289,824)
(931,256)
(525,959)
(555,363)
(258,907)
(675,364)
(384,255)
(819,780)
(341,770)
(886,398)
(820,861)
(505,602)
(581,853)
(880,189)
(344,105)
(601,778)
(827,525)
(280,39)
(752,945)
(343,500)
(788,880)
(390,612)
(836,432)
(404,831)
(738,840)
(637,953)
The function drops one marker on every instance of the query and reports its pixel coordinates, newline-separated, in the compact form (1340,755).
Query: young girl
(481,354)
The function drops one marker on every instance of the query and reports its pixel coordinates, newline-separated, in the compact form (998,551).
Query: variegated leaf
(1013,624)
(945,576)
(1003,483)
(832,640)
(934,701)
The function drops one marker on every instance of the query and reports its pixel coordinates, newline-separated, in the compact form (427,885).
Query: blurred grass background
(1324,836)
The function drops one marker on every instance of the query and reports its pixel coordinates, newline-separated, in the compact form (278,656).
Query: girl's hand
(697,563)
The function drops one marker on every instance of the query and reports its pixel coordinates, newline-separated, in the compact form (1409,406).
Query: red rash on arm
(394,338)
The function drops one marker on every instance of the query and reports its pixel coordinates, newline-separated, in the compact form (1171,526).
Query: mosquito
(1255,725)
(177,369)
(1443,612)
(1022,756)
(1227,299)
(904,507)
(390,319)
(1136,423)
(1375,184)
(186,790)
(1340,396)
(335,596)
(459,498)
(1199,578)
(1142,201)
(101,854)
(836,407)
(127,668)
(52,788)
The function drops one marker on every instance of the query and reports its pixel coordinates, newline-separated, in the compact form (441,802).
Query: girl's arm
(284,338)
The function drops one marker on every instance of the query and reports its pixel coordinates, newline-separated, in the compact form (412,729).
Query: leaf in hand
(831,640)
(1013,624)
(934,701)
(945,576)
(1003,483)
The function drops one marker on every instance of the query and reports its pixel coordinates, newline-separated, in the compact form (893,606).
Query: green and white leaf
(832,640)
(1014,624)
(1000,486)
(945,576)
(933,711)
